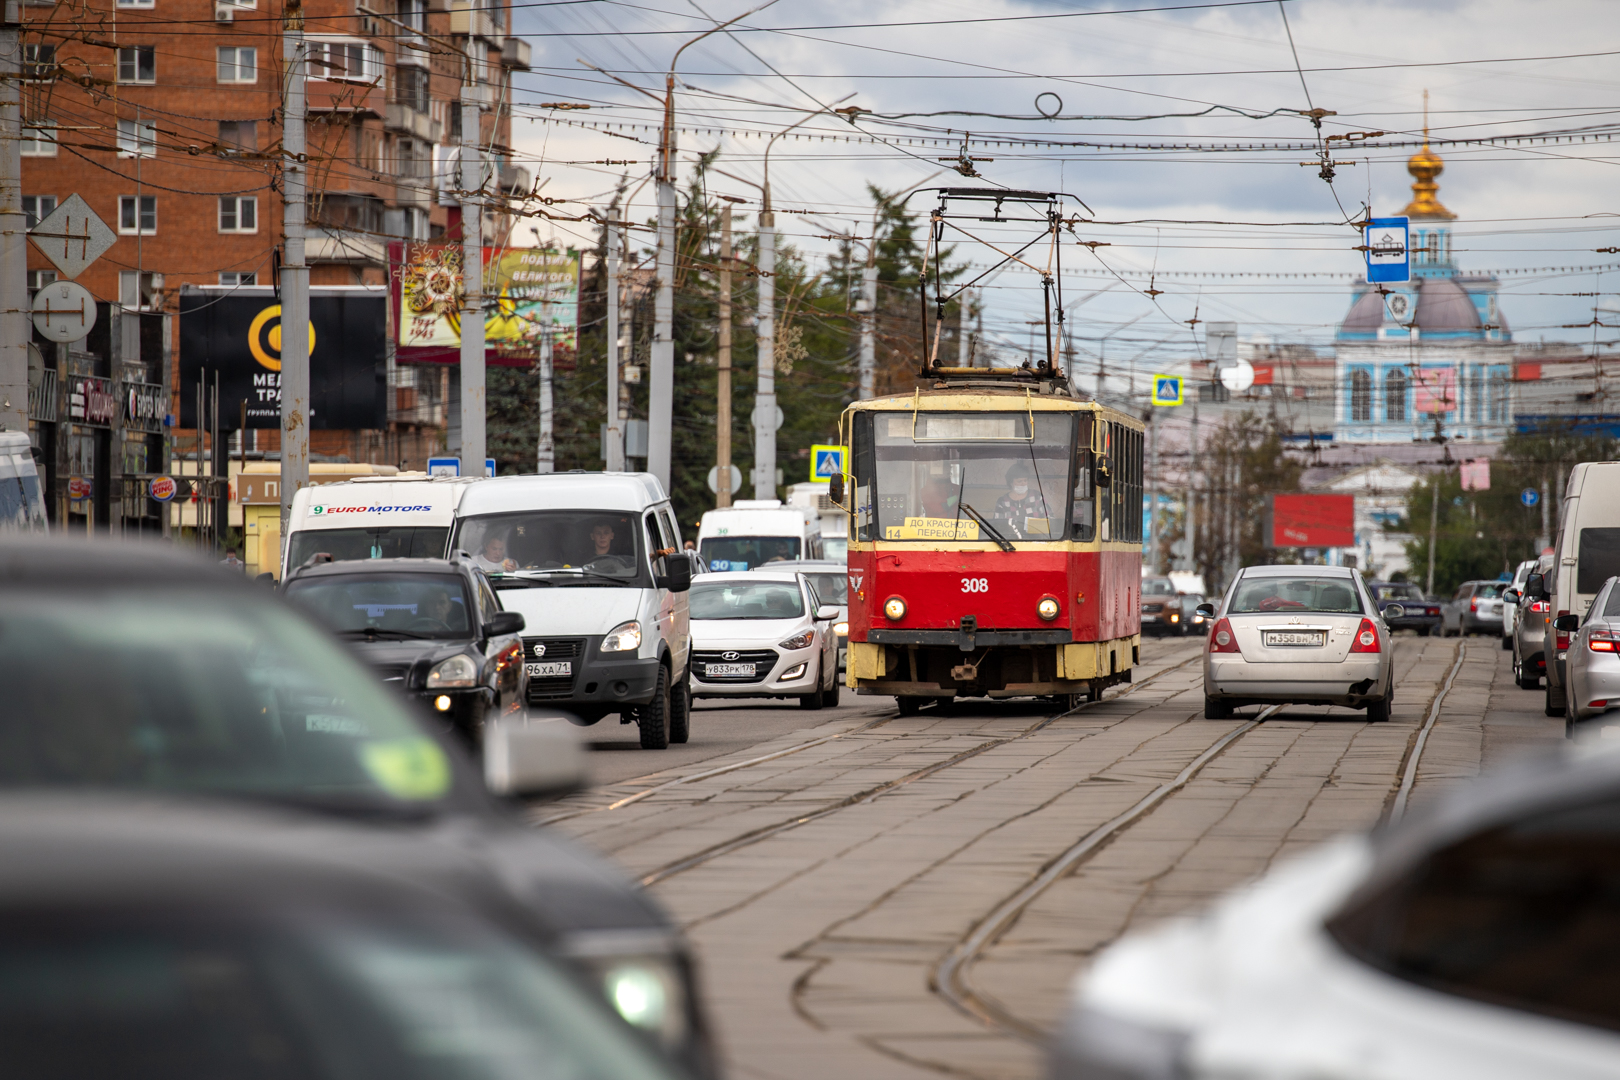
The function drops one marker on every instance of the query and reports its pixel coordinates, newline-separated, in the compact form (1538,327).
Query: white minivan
(752,532)
(22,505)
(594,563)
(1585,555)
(384,517)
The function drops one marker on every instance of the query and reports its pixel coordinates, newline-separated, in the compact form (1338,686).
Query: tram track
(1409,775)
(867,795)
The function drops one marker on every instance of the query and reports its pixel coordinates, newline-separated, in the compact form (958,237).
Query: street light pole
(295,328)
(472,276)
(722,413)
(613,459)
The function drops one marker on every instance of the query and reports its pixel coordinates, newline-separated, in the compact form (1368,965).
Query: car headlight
(798,641)
(459,670)
(626,637)
(841,629)
(794,672)
(1047,608)
(648,989)
(894,608)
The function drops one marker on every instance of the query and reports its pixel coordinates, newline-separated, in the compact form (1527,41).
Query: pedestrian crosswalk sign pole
(827,462)
(1167,390)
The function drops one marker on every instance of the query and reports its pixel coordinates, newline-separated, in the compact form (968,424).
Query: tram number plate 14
(733,671)
(1295,637)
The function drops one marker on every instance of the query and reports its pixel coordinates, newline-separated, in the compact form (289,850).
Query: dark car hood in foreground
(391,656)
(105,844)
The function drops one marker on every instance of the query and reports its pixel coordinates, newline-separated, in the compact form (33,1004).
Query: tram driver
(1022,505)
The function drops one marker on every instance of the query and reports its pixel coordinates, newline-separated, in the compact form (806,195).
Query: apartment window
(137,64)
(37,208)
(411,88)
(140,290)
(136,3)
(235,278)
(238,213)
(39,61)
(237,65)
(137,214)
(38,279)
(240,135)
(1360,395)
(1395,395)
(137,139)
(350,61)
(39,138)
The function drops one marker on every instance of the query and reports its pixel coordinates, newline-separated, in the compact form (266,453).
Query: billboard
(532,290)
(236,334)
(1314,521)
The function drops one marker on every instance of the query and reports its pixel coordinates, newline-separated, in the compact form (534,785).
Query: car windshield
(722,553)
(1272,592)
(428,605)
(403,542)
(746,600)
(1488,590)
(147,997)
(1157,587)
(1397,592)
(563,542)
(830,588)
(175,689)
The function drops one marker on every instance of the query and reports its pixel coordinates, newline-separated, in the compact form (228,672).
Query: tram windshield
(967,476)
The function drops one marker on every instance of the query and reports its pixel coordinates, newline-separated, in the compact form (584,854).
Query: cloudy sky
(1217,83)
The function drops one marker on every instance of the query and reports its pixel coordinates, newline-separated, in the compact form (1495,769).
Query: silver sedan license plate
(733,671)
(549,670)
(1296,637)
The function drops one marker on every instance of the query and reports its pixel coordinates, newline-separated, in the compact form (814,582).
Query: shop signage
(237,336)
(144,406)
(163,488)
(78,488)
(91,401)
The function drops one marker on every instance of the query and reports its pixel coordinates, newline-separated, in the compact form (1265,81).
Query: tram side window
(1083,523)
(864,471)
(1105,495)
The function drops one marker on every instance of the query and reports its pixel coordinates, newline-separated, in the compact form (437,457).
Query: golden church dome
(1424,166)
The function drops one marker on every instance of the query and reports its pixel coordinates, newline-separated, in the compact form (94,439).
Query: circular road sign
(1529,496)
(64,311)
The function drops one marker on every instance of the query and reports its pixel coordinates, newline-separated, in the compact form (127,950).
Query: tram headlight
(894,608)
(1047,608)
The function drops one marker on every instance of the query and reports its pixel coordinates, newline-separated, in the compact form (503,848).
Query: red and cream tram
(995,544)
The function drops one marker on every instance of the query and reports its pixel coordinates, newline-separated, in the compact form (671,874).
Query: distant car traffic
(1475,609)
(433,628)
(1303,635)
(134,668)
(1530,626)
(1473,941)
(1164,609)
(1411,610)
(763,634)
(1510,609)
(1197,621)
(830,579)
(1592,662)
(148,938)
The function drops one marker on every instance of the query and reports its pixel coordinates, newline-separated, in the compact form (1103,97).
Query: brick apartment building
(165,116)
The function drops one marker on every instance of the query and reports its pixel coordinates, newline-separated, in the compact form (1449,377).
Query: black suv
(432,628)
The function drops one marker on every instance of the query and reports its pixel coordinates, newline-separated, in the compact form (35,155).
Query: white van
(1585,555)
(594,563)
(22,505)
(834,518)
(384,517)
(753,532)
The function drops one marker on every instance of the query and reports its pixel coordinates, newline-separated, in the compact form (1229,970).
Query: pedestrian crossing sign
(827,462)
(1167,390)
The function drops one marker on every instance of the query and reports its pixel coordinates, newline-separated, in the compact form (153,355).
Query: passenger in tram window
(1022,503)
(937,497)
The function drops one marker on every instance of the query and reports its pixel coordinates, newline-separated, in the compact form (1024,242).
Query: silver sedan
(1593,659)
(1307,635)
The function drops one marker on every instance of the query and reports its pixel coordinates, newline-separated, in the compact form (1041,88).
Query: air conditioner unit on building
(224,12)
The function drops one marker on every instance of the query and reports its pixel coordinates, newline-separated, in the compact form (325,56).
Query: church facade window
(1395,395)
(1361,395)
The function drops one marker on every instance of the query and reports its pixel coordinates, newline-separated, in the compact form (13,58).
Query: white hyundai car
(1297,635)
(1478,941)
(761,633)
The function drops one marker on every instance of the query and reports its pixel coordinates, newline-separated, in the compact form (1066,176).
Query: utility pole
(765,334)
(964,346)
(868,366)
(614,458)
(1434,525)
(722,412)
(661,376)
(472,275)
(295,328)
(15,329)
(546,450)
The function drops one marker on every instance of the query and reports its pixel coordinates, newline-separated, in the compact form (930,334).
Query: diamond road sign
(72,237)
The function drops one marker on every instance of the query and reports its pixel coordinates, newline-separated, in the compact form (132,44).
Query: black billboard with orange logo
(236,333)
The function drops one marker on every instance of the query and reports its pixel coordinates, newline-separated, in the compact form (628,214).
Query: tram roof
(992,399)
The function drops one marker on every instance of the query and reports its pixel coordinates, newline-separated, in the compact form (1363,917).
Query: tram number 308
(975,584)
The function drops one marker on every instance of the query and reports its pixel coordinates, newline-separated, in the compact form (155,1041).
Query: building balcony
(516,54)
(515,179)
(356,98)
(345,247)
(467,20)
(409,121)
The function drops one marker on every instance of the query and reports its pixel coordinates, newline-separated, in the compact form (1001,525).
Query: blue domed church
(1435,346)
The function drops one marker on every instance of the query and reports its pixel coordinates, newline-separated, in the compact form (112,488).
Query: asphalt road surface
(877,896)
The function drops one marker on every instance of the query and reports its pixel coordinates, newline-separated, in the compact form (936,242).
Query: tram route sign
(1385,242)
(1167,390)
(827,462)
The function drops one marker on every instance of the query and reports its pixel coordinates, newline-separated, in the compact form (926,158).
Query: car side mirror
(835,489)
(1206,610)
(504,622)
(827,613)
(1535,587)
(535,757)
(1101,475)
(677,576)
(1394,611)
(1511,596)
(266,578)
(1567,624)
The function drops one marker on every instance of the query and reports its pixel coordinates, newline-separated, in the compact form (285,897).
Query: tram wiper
(1001,541)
